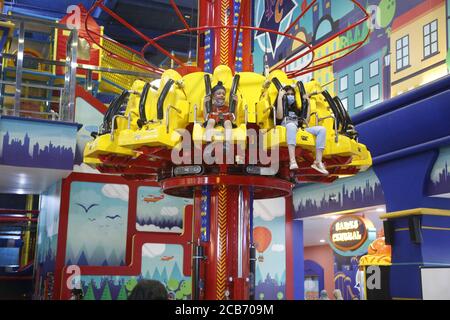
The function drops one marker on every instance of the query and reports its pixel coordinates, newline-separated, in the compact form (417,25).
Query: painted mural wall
(439,184)
(157,212)
(363,190)
(324,257)
(407,48)
(34,143)
(46,244)
(269,235)
(161,262)
(97,225)
(90,118)
(97,233)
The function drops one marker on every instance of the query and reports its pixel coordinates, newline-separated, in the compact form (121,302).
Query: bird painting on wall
(86,209)
(112,217)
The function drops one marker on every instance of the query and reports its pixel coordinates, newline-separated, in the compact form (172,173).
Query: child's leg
(209,129)
(228,127)
(321,135)
(291,136)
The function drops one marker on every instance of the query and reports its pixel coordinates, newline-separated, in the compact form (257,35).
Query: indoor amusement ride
(151,122)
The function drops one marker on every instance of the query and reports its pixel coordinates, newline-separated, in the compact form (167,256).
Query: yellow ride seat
(275,135)
(160,115)
(239,133)
(337,144)
(114,122)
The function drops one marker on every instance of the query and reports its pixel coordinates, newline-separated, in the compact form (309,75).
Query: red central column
(227,262)
(220,48)
(223,10)
(221,236)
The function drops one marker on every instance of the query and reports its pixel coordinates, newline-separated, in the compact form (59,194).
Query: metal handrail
(246,114)
(318,119)
(113,124)
(168,115)
(51,113)
(70,65)
(195,113)
(33,20)
(31,85)
(274,114)
(80,66)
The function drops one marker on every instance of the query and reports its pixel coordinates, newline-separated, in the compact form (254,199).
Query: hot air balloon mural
(262,238)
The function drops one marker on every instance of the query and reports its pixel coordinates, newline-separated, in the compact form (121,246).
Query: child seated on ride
(220,113)
(290,120)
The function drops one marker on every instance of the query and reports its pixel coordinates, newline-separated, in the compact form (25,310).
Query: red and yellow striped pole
(223,39)
(227,252)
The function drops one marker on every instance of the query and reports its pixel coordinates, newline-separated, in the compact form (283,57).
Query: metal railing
(66,93)
(66,101)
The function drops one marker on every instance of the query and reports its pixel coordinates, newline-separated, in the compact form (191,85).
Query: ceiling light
(379,210)
(322,241)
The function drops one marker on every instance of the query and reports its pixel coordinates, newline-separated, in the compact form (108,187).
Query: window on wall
(358,99)
(374,68)
(343,83)
(374,92)
(430,39)
(358,76)
(402,47)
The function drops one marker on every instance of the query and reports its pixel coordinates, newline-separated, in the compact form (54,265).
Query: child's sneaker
(293,165)
(320,167)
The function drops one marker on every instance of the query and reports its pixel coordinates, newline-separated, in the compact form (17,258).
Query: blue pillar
(410,210)
(298,260)
(417,245)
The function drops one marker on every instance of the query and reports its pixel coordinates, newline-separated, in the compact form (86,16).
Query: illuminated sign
(348,233)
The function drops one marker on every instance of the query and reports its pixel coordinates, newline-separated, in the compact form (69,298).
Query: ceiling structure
(152,18)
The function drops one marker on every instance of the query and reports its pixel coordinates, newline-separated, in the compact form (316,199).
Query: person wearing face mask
(220,113)
(290,120)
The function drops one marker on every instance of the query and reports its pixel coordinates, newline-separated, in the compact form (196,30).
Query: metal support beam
(19,67)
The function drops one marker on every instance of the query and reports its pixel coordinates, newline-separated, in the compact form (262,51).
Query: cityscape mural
(363,190)
(35,144)
(439,184)
(407,46)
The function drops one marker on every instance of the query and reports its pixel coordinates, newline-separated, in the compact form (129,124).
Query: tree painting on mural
(106,295)
(163,263)
(122,293)
(89,294)
(131,284)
